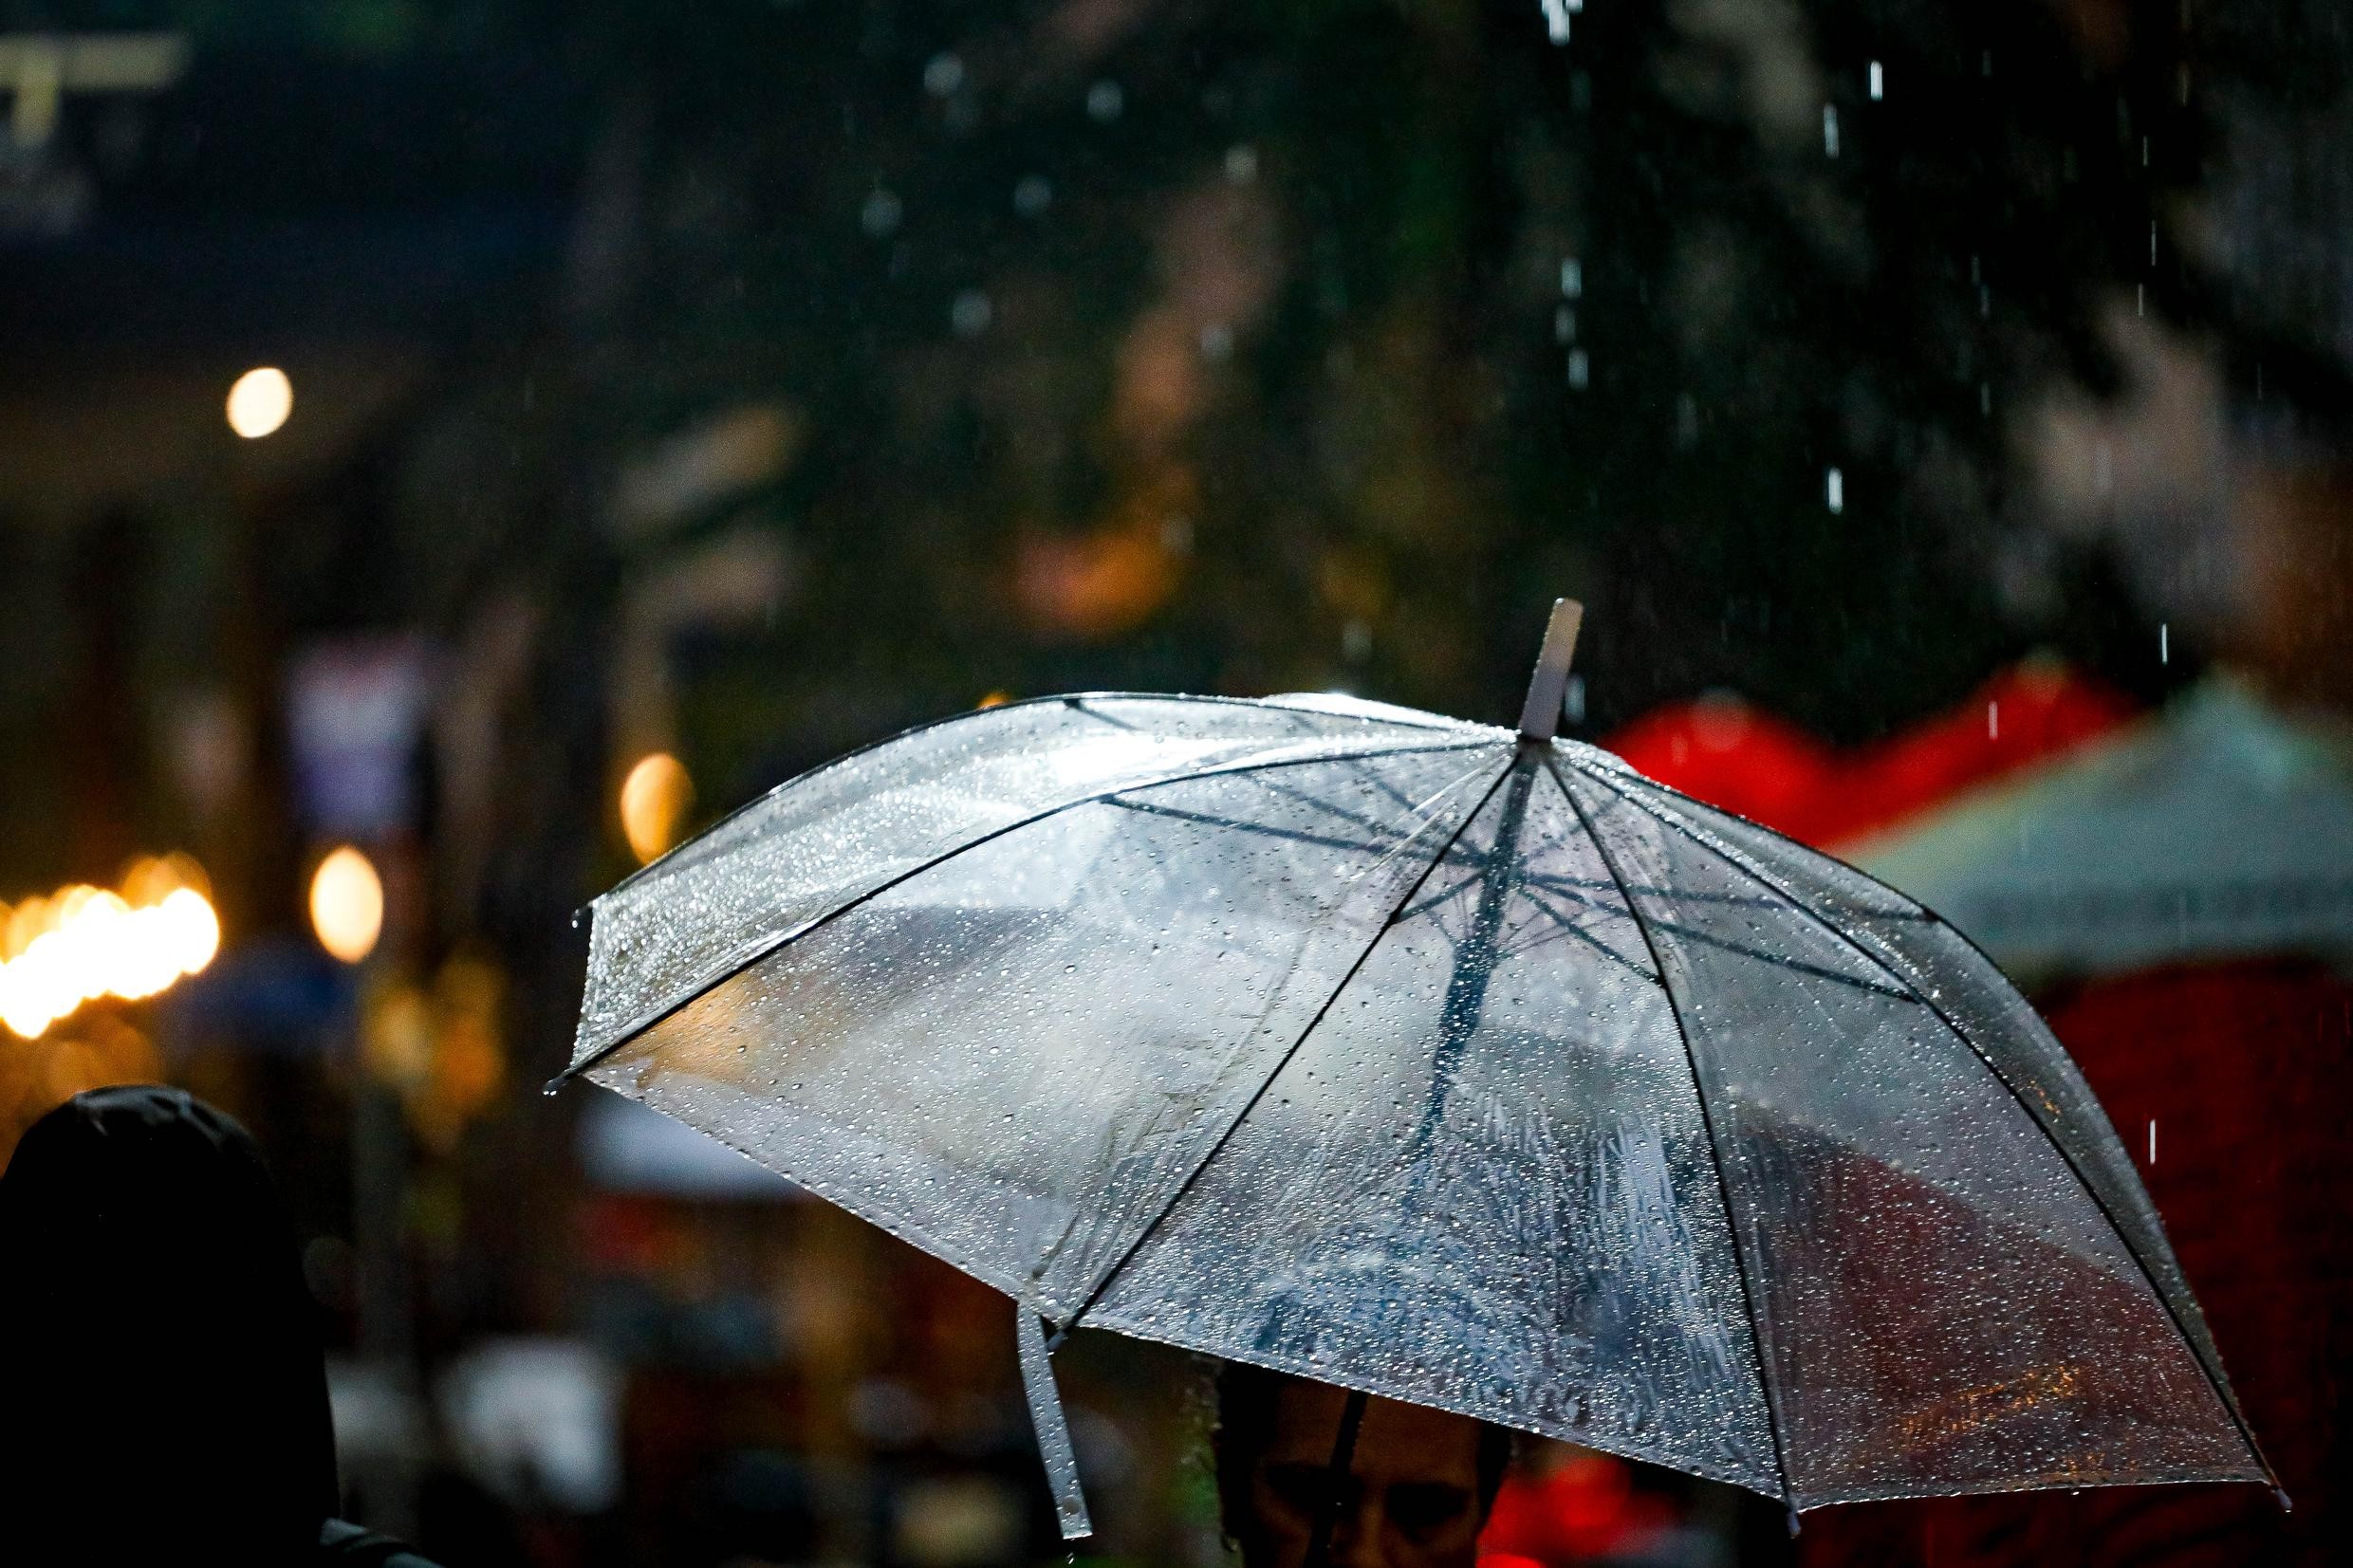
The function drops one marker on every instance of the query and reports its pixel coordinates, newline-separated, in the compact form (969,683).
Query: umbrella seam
(1127,1255)
(1666,1457)
(1598,765)
(2215,1379)
(2012,1488)
(848,1199)
(1077,700)
(1707,1123)
(744,958)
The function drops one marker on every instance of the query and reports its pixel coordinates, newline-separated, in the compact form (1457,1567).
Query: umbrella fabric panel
(1016,1057)
(1964,986)
(1941,1303)
(842,830)
(1484,1182)
(1878,1058)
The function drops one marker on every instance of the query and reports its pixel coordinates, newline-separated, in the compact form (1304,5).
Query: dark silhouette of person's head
(165,1391)
(1420,1485)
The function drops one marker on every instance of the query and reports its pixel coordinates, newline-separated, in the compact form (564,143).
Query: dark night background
(745,382)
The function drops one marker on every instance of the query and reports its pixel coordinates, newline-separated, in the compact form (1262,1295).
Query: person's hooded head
(164,1386)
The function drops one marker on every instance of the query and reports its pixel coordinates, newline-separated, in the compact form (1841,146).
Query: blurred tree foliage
(1321,344)
(1311,343)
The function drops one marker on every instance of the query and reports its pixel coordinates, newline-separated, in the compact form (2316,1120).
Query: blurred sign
(272,994)
(537,1420)
(42,191)
(355,710)
(39,70)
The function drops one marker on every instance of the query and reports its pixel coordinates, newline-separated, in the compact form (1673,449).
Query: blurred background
(450,450)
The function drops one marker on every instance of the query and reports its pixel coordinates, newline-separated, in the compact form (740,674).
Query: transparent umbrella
(1433,1060)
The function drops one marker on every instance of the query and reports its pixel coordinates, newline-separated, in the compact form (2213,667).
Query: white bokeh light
(260,402)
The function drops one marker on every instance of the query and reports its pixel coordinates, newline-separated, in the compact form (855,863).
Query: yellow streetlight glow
(84,943)
(346,905)
(654,800)
(259,403)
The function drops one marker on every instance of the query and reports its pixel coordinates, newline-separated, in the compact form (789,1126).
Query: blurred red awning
(1722,750)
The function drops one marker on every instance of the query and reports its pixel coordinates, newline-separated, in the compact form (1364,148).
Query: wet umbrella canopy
(1448,1063)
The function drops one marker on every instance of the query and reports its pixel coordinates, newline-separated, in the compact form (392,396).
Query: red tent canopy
(1725,752)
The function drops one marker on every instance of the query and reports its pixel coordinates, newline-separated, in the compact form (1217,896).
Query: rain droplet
(1034,196)
(1105,101)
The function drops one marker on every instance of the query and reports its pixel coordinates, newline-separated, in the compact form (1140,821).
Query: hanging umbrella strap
(1062,1465)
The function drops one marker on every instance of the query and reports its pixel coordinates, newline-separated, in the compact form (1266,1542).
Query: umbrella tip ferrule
(1794,1525)
(2279,1495)
(1540,715)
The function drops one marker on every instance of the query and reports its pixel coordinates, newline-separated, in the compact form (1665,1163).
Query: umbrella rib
(1397,797)
(1442,895)
(1707,1124)
(1893,993)
(741,961)
(1079,704)
(1356,819)
(1212,820)
(1578,886)
(1914,912)
(1766,879)
(1103,1281)
(1565,922)
(1076,702)
(1726,945)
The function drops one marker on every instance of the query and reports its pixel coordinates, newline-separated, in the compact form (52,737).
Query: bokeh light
(347,905)
(653,801)
(260,402)
(82,943)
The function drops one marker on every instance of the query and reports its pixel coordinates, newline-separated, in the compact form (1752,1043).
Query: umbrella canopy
(2220,828)
(1435,1060)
